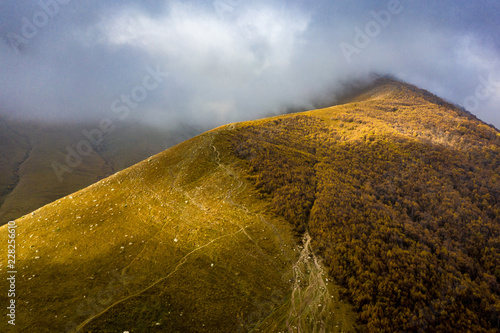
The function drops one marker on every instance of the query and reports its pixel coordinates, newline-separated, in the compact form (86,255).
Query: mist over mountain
(224,61)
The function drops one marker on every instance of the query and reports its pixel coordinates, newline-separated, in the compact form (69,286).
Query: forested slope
(400,192)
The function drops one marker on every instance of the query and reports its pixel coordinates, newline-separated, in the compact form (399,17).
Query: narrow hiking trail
(308,305)
(236,186)
(136,294)
(314,305)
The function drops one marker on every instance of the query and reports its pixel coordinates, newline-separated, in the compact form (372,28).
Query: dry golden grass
(184,242)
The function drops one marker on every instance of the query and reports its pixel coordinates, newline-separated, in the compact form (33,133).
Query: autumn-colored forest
(401,195)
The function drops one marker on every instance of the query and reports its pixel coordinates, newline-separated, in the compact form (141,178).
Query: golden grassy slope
(176,243)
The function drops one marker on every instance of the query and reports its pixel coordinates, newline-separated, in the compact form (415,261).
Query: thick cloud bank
(213,62)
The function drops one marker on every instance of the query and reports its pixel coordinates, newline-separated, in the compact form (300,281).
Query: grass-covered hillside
(180,242)
(29,150)
(379,215)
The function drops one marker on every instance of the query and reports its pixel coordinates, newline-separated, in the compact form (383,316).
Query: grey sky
(231,60)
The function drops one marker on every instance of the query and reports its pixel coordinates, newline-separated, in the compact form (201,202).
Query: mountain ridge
(409,173)
(230,206)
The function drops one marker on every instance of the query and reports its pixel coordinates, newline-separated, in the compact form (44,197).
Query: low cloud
(233,60)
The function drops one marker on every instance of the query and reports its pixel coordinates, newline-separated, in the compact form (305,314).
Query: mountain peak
(391,106)
(380,214)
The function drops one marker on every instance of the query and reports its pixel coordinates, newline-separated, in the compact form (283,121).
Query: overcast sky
(214,62)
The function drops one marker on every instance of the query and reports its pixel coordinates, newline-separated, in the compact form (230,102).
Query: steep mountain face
(393,197)
(40,163)
(400,192)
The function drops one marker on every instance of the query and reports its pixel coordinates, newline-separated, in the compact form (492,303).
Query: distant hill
(33,166)
(377,215)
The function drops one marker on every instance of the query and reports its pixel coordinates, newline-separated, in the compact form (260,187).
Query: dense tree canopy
(406,215)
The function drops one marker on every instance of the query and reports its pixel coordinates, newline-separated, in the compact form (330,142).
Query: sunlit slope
(177,243)
(395,108)
(400,192)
